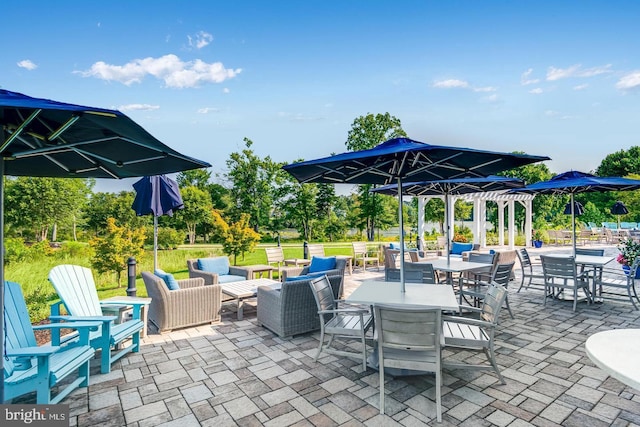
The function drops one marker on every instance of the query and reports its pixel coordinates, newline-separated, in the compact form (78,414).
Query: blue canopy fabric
(156,195)
(409,160)
(574,182)
(401,159)
(46,138)
(452,187)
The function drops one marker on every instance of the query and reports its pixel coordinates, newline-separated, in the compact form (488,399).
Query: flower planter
(537,243)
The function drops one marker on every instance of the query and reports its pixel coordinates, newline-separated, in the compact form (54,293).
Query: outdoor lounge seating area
(239,372)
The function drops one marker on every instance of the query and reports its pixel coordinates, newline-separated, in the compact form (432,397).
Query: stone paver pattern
(238,373)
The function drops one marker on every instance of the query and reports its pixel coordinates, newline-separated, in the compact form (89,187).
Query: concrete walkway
(237,373)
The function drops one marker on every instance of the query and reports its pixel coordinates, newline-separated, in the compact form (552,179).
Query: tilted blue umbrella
(450,187)
(574,182)
(401,159)
(156,195)
(46,138)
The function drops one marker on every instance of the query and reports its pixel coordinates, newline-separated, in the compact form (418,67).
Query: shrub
(168,238)
(72,250)
(16,250)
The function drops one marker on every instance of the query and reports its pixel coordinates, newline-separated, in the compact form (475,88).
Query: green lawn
(39,293)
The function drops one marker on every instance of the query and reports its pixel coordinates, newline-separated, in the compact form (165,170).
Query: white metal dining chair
(410,338)
(352,322)
(562,273)
(617,279)
(477,334)
(530,270)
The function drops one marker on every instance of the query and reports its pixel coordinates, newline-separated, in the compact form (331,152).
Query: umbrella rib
(19,129)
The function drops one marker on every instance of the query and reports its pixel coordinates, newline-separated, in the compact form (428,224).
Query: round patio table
(616,353)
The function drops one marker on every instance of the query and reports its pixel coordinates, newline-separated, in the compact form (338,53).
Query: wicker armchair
(192,304)
(292,310)
(240,273)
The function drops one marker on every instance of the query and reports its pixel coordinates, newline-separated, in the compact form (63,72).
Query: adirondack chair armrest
(92,326)
(32,351)
(467,321)
(103,319)
(125,304)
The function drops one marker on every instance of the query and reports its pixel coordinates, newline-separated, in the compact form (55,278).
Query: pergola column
(500,204)
(477,214)
(528,207)
(512,224)
(421,223)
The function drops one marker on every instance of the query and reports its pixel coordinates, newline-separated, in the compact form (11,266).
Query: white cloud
(536,91)
(138,107)
(169,68)
(525,78)
(27,64)
(207,110)
(226,90)
(576,71)
(485,89)
(581,87)
(630,81)
(558,115)
(200,40)
(491,99)
(451,83)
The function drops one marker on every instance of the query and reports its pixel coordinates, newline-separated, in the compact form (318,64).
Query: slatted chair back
(274,255)
(410,276)
(359,249)
(428,273)
(77,289)
(19,333)
(482,257)
(525,259)
(492,303)
(591,252)
(409,338)
(502,274)
(563,268)
(315,249)
(323,294)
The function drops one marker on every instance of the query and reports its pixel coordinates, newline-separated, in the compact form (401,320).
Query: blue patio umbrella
(450,187)
(156,195)
(401,159)
(46,138)
(574,182)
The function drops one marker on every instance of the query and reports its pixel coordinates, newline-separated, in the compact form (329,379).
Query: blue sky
(550,78)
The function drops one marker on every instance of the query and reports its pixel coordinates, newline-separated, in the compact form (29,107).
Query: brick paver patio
(237,373)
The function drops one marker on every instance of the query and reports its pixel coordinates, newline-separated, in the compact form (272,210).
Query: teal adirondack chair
(29,367)
(77,291)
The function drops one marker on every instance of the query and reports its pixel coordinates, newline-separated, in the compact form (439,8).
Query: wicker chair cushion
(219,265)
(322,264)
(168,279)
(226,278)
(304,277)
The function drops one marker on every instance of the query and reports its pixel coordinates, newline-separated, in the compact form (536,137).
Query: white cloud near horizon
(451,83)
(138,107)
(536,91)
(169,68)
(27,64)
(576,70)
(207,110)
(630,81)
(581,87)
(525,78)
(485,89)
(200,40)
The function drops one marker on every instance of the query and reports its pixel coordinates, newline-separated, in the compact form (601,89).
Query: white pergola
(502,198)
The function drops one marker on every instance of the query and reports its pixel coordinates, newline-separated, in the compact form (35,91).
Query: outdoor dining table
(616,353)
(455,266)
(415,295)
(594,262)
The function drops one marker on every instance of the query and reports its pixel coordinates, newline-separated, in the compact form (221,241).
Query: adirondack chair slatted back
(19,333)
(315,249)
(77,289)
(274,255)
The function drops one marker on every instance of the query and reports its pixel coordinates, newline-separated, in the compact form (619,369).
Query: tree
(102,206)
(237,237)
(114,249)
(194,178)
(367,132)
(302,208)
(253,184)
(197,210)
(620,163)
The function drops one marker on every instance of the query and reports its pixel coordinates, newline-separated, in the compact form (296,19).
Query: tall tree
(367,132)
(196,177)
(620,163)
(102,206)
(253,183)
(197,210)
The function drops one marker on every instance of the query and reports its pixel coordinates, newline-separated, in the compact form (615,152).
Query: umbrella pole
(2,325)
(573,220)
(155,243)
(447,226)
(401,221)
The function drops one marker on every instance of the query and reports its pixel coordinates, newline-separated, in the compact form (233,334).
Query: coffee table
(246,289)
(125,311)
(262,268)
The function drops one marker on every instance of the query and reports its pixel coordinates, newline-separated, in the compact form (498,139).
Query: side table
(124,310)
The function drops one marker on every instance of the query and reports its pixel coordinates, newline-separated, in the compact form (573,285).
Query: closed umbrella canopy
(156,195)
(46,138)
(452,187)
(401,159)
(574,182)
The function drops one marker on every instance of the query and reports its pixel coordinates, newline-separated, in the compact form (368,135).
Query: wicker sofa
(292,310)
(234,273)
(192,304)
(341,264)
